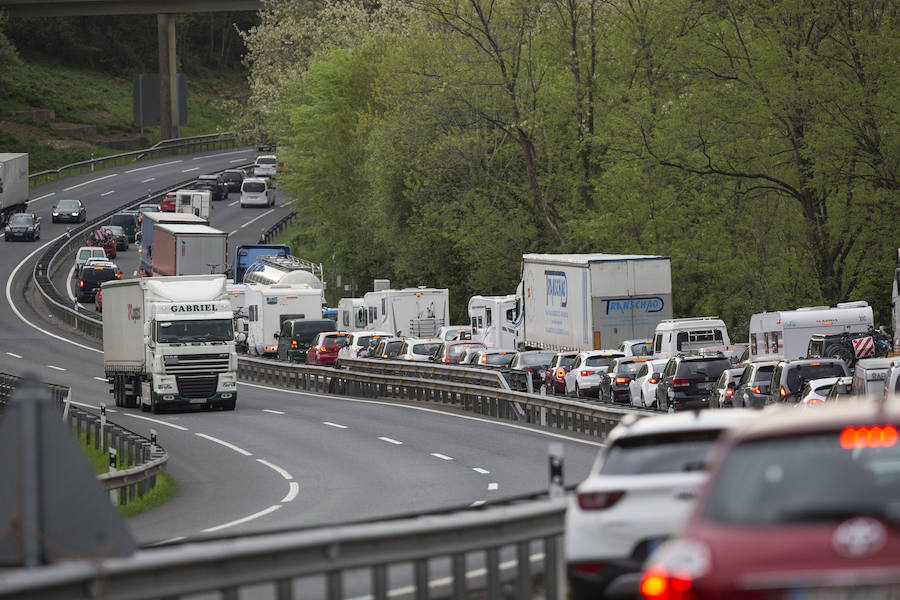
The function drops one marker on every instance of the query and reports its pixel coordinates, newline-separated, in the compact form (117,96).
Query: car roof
(875,363)
(787,421)
(687,421)
(255,179)
(613,353)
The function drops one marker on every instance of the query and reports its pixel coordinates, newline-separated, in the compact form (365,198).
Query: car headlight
(229,385)
(55,214)
(75,214)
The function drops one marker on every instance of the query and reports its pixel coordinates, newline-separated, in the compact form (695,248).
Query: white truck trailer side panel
(786,334)
(123,325)
(13,179)
(557,305)
(269,306)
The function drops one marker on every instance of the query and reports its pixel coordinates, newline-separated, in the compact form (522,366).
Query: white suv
(583,377)
(266,165)
(638,493)
(360,342)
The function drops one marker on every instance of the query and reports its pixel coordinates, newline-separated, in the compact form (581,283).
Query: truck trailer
(149,222)
(785,334)
(593,301)
(412,312)
(13,184)
(188,249)
(169,342)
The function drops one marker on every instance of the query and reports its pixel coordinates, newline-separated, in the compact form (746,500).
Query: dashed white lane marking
(108,193)
(441,456)
(237,160)
(288,203)
(274,412)
(261,513)
(14,355)
(233,232)
(270,211)
(390,441)
(477,503)
(173,162)
(292,493)
(480,470)
(166,423)
(189,170)
(224,443)
(493,486)
(55,368)
(103,379)
(330,424)
(41,197)
(233,203)
(148,180)
(168,541)
(275,468)
(78,185)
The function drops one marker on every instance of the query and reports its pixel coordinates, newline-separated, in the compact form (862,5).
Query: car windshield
(798,374)
(532,359)
(427,349)
(670,452)
(68,205)
(20,220)
(806,478)
(201,330)
(456,349)
(598,361)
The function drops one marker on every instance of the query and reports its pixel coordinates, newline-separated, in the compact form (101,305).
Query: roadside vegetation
(434,142)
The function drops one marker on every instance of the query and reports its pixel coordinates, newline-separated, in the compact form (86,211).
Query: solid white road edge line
(292,493)
(78,185)
(69,283)
(168,541)
(441,456)
(268,212)
(480,470)
(224,443)
(173,162)
(276,468)
(166,423)
(261,513)
(552,434)
(477,503)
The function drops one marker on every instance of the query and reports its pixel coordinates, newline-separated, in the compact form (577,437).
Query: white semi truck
(169,341)
(13,184)
(593,301)
(496,320)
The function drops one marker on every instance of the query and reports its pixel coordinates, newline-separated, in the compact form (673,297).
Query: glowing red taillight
(622,380)
(678,382)
(869,437)
(783,392)
(560,373)
(755,389)
(293,344)
(729,392)
(658,584)
(585,373)
(653,380)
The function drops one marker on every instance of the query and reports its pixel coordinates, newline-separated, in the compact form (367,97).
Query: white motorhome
(785,334)
(268,306)
(416,312)
(351,316)
(194,202)
(685,336)
(495,320)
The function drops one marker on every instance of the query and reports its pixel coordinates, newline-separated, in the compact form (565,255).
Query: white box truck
(593,301)
(194,202)
(410,312)
(268,306)
(169,341)
(13,184)
(785,334)
(188,249)
(496,320)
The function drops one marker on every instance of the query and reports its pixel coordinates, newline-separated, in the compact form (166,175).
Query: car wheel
(577,391)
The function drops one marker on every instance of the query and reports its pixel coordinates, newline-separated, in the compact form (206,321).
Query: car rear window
(254,187)
(336,340)
(425,348)
(123,220)
(263,160)
(95,274)
(629,368)
(709,369)
(797,375)
(565,361)
(532,359)
(805,479)
(456,349)
(598,361)
(670,452)
(498,358)
(643,349)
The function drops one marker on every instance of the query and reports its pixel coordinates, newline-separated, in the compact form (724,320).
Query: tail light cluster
(293,344)
(598,500)
(676,568)
(560,373)
(585,373)
(622,380)
(679,382)
(653,380)
(729,392)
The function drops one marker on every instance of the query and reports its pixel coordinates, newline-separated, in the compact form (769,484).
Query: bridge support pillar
(168,90)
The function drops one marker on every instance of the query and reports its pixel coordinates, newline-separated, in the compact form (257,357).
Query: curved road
(282,459)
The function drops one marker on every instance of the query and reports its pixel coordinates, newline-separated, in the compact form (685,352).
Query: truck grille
(196,363)
(197,386)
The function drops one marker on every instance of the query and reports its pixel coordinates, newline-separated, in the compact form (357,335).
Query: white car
(638,493)
(361,342)
(643,386)
(84,254)
(636,347)
(450,333)
(815,391)
(266,165)
(418,350)
(256,191)
(583,377)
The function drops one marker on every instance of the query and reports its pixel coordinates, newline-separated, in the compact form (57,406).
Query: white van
(255,191)
(869,375)
(785,334)
(686,336)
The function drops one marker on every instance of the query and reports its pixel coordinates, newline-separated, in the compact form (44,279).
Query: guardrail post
(459,576)
(379,582)
(523,571)
(334,586)
(554,568)
(113,494)
(556,469)
(421,579)
(492,563)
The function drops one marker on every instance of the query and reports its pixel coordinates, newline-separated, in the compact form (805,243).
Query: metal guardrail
(275,230)
(225,567)
(427,370)
(199,143)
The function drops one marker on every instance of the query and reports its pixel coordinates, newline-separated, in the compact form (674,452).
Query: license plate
(705,386)
(863,592)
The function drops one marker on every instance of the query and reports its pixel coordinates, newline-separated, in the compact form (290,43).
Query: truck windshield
(205,330)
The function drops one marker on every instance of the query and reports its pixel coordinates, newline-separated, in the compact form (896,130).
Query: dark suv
(687,380)
(91,279)
(213,183)
(296,335)
(790,375)
(233,178)
(127,221)
(754,385)
(615,386)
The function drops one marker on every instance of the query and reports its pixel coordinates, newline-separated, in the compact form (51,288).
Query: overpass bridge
(165,11)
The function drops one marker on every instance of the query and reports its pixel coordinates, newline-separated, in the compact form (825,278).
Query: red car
(449,352)
(104,240)
(168,202)
(325,347)
(555,376)
(801,505)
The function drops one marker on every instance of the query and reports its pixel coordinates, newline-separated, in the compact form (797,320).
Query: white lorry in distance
(689,335)
(13,184)
(194,202)
(410,312)
(592,301)
(495,320)
(351,316)
(188,249)
(268,306)
(169,342)
(785,334)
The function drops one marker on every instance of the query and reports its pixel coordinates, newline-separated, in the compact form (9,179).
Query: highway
(282,459)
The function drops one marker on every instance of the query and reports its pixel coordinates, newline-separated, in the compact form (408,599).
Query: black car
(615,386)
(213,183)
(535,362)
(91,278)
(118,234)
(297,334)
(687,380)
(69,210)
(754,385)
(23,226)
(129,222)
(233,178)
(790,375)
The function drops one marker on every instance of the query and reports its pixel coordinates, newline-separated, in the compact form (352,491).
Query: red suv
(799,505)
(102,239)
(325,347)
(168,202)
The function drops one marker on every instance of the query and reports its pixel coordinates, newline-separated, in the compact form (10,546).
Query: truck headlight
(166,386)
(229,385)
